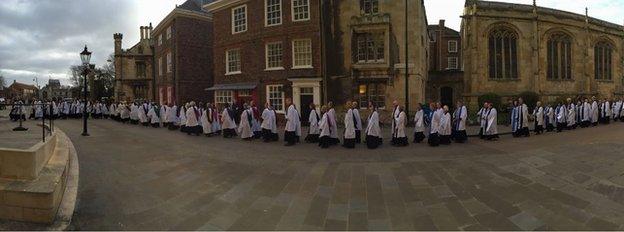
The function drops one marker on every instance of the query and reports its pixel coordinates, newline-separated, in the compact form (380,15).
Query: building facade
(445,82)
(183,54)
(54,90)
(21,91)
(367,42)
(134,68)
(512,48)
(267,51)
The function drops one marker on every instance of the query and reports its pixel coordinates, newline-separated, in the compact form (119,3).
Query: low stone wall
(37,199)
(26,164)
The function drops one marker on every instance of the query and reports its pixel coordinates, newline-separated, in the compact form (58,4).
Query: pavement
(20,139)
(138,178)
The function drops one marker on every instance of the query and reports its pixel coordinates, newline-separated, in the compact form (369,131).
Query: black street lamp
(85,56)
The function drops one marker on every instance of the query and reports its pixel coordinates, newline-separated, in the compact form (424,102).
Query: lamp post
(406,63)
(85,56)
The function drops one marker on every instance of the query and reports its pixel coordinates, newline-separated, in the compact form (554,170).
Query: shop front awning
(235,86)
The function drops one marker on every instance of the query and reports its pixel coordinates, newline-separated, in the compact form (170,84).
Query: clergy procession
(435,123)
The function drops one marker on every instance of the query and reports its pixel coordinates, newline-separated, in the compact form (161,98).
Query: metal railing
(21,116)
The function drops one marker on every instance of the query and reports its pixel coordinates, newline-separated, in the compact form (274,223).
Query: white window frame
(227,62)
(169,62)
(456,62)
(283,98)
(266,57)
(220,95)
(294,55)
(160,71)
(168,32)
(292,11)
(455,46)
(266,14)
(233,19)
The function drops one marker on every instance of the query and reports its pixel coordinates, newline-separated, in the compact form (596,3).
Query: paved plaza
(136,178)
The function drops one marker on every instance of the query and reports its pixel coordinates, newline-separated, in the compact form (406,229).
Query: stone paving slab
(154,179)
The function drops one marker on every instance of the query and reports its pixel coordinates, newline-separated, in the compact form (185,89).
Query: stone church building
(512,48)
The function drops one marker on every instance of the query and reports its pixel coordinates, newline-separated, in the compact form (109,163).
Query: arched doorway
(446,96)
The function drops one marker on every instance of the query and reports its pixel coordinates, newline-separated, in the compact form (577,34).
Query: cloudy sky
(42,38)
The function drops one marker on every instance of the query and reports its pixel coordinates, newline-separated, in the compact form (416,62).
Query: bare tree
(2,82)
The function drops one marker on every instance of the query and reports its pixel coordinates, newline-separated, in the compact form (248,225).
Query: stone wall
(534,25)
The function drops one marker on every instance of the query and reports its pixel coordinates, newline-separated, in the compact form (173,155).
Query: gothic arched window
(602,61)
(560,56)
(503,53)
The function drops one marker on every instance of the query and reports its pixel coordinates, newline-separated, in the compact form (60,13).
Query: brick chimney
(441,24)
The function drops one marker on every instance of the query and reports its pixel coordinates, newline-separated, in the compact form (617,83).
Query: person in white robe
(325,139)
(333,124)
(605,112)
(255,120)
(124,112)
(523,119)
(400,137)
(228,123)
(459,123)
(538,117)
(313,121)
(349,122)
(617,109)
(585,113)
(182,116)
(550,119)
(192,120)
(55,110)
(172,117)
(561,114)
(244,128)
(134,113)
(482,119)
(269,124)
(491,129)
(373,130)
(154,115)
(434,135)
(419,124)
(105,110)
(38,109)
(445,126)
(143,110)
(292,131)
(595,116)
(571,119)
(207,120)
(216,120)
(395,116)
(113,111)
(357,121)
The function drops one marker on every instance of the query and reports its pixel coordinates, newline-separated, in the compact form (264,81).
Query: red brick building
(183,54)
(445,82)
(267,50)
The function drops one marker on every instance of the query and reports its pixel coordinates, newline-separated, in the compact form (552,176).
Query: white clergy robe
(143,113)
(435,121)
(419,125)
(171,116)
(400,125)
(153,116)
(268,120)
(358,120)
(182,116)
(372,127)
(492,123)
(332,123)
(314,122)
(227,121)
(206,119)
(395,118)
(192,117)
(571,115)
(134,112)
(292,121)
(324,125)
(538,114)
(524,116)
(586,112)
(445,124)
(562,114)
(461,114)
(594,112)
(244,128)
(349,125)
(482,117)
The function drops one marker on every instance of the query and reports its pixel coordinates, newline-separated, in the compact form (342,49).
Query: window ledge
(504,79)
(233,73)
(274,69)
(301,20)
(560,80)
(303,67)
(605,81)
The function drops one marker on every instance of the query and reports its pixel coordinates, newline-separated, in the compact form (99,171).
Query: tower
(118,37)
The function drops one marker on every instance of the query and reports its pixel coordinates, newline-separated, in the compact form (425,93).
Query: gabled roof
(17,85)
(194,5)
(447,31)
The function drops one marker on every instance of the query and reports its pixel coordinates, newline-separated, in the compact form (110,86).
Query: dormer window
(369,6)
